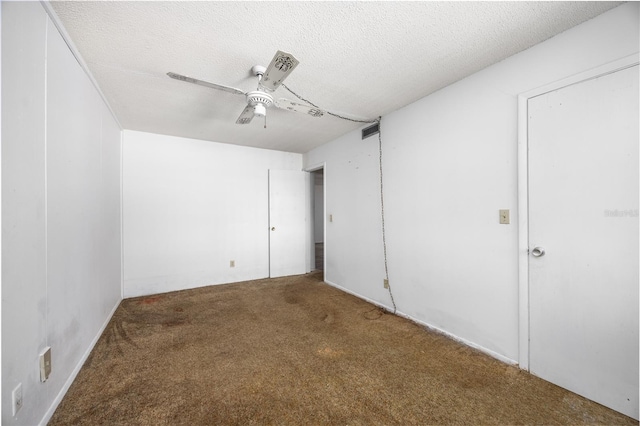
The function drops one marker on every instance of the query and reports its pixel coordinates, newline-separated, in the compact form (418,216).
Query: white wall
(61,275)
(190,207)
(450,163)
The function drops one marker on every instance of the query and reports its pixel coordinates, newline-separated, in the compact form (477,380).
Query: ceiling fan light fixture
(259,110)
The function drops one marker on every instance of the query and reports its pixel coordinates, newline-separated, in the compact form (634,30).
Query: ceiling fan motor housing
(259,97)
(260,102)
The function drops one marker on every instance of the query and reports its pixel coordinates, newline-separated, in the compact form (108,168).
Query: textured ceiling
(359,59)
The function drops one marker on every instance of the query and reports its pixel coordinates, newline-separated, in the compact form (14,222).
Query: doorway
(317,177)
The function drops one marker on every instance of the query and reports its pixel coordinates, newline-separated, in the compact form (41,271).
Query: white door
(583,212)
(287,222)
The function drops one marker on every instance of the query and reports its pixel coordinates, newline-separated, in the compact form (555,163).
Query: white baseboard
(466,342)
(76,370)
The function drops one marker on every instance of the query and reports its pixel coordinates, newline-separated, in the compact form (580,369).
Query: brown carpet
(295,351)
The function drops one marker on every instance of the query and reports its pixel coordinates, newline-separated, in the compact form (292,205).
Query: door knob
(537,252)
(273,228)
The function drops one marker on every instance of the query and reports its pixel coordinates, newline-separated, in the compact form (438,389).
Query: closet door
(583,238)
(287,222)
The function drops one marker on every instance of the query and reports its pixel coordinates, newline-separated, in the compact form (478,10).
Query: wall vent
(371,130)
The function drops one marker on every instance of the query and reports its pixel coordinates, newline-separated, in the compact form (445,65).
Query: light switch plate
(504,217)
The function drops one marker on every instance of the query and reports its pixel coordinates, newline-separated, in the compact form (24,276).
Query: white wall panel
(83,237)
(191,207)
(61,205)
(24,291)
(450,163)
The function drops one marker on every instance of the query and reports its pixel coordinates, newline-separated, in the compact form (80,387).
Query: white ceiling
(359,59)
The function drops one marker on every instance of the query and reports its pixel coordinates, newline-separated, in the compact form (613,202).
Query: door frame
(311,247)
(523,189)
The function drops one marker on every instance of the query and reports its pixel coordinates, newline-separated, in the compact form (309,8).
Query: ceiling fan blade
(246,116)
(293,106)
(280,67)
(205,83)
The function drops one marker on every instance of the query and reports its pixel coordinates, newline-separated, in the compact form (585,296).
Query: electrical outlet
(330,218)
(45,364)
(232,264)
(16,397)
(386,283)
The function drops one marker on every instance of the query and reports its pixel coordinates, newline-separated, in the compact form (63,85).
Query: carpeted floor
(295,351)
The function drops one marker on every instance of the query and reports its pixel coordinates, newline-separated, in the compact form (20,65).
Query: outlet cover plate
(45,364)
(16,399)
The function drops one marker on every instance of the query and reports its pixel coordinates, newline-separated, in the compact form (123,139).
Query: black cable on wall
(384,236)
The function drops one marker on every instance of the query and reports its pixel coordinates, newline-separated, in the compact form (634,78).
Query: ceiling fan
(269,79)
